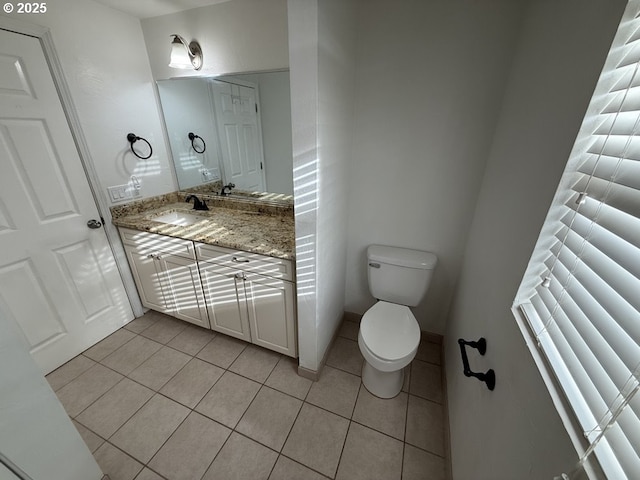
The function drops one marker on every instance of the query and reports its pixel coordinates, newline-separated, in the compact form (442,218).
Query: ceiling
(155,8)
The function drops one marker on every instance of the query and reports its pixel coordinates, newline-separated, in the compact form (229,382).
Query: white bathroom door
(239,134)
(58,277)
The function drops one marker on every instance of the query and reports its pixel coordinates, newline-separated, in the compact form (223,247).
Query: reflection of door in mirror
(189,105)
(185,112)
(239,132)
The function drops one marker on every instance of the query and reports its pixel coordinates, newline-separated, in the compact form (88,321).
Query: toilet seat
(390,334)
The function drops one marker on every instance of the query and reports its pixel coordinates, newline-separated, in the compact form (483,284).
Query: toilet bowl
(389,333)
(388,339)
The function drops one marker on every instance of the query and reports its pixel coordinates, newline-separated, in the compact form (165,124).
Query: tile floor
(161,399)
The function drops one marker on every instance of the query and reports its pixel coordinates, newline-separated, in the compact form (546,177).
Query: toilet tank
(399,275)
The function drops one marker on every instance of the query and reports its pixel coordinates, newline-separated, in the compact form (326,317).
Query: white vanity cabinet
(250,296)
(166,274)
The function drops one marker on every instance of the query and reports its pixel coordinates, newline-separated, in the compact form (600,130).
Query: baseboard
(448,470)
(315,374)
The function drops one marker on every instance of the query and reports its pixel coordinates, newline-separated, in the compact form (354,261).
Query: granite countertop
(251,231)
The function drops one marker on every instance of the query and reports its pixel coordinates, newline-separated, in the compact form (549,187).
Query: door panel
(271,314)
(227,312)
(183,290)
(240,137)
(58,278)
(147,276)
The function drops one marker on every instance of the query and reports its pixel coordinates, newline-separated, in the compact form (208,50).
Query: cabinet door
(227,310)
(147,277)
(182,289)
(270,304)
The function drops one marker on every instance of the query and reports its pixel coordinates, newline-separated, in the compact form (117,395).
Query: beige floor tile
(425,425)
(116,464)
(429,352)
(145,432)
(92,440)
(192,383)
(287,469)
(87,388)
(69,371)
(242,459)
(191,339)
(229,398)
(165,329)
(222,350)
(345,355)
(421,465)
(114,408)
(147,474)
(370,455)
(270,417)
(160,367)
(316,439)
(286,379)
(191,449)
(426,381)
(349,330)
(385,415)
(140,324)
(255,363)
(336,391)
(109,344)
(131,355)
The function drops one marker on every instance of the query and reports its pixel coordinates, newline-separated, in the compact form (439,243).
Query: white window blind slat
(617,249)
(606,335)
(586,262)
(620,197)
(581,292)
(602,366)
(616,222)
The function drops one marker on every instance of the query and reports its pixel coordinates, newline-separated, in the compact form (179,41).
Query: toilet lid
(390,331)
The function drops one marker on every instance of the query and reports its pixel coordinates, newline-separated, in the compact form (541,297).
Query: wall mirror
(232,129)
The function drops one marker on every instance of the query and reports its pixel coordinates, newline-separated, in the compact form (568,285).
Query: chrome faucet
(197,203)
(224,192)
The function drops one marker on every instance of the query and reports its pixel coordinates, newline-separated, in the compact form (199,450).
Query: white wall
(36,433)
(105,63)
(275,115)
(237,36)
(322,57)
(514,431)
(186,107)
(429,82)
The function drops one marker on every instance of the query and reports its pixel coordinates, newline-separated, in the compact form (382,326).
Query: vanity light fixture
(183,55)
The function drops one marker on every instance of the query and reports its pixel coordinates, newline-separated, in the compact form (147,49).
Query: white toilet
(389,333)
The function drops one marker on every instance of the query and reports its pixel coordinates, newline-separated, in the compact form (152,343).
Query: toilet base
(382,384)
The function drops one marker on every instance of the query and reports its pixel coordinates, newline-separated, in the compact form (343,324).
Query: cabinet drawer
(251,262)
(147,243)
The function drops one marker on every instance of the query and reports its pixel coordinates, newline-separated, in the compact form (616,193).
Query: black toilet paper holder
(481,345)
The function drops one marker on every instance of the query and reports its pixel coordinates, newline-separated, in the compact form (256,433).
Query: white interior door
(58,278)
(240,137)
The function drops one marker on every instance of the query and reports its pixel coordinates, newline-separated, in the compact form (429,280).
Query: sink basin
(182,219)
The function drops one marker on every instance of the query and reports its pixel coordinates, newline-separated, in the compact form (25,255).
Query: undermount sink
(182,219)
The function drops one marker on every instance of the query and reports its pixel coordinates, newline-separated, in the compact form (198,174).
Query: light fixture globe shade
(183,56)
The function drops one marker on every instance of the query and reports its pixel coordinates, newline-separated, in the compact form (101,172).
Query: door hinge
(102,219)
(256,107)
(260,165)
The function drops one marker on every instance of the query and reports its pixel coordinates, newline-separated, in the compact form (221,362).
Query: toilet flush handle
(374,265)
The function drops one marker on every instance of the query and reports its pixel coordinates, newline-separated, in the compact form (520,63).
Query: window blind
(581,293)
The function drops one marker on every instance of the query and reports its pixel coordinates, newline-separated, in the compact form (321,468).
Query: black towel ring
(133,138)
(192,137)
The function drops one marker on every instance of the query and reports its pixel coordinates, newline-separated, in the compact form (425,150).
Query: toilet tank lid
(403,257)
